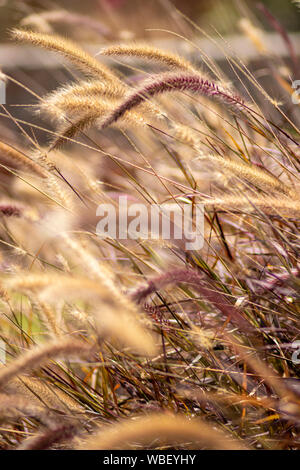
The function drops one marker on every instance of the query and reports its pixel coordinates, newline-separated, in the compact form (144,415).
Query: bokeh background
(127,14)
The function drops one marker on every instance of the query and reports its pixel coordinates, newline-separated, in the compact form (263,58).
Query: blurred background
(127,14)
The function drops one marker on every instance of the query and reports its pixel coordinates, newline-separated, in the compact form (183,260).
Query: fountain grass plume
(170,82)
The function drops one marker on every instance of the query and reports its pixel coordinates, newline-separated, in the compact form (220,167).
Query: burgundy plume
(204,287)
(174,81)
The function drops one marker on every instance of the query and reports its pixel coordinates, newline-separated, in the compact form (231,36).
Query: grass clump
(123,343)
